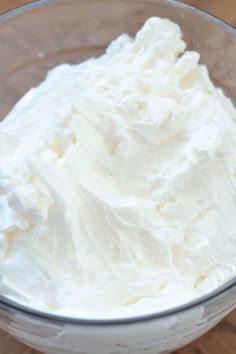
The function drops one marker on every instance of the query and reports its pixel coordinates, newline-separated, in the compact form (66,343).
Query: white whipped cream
(118,182)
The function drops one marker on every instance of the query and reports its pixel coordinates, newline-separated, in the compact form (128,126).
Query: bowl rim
(12,305)
(8,304)
(34,4)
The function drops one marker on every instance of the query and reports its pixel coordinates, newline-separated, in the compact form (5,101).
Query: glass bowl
(35,38)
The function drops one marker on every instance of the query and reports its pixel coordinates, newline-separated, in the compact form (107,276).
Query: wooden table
(220,340)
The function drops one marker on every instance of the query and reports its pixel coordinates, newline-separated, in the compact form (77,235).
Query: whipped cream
(118,182)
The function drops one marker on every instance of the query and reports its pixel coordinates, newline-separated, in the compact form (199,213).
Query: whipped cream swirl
(118,182)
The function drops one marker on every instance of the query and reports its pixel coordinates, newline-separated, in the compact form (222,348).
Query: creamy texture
(118,182)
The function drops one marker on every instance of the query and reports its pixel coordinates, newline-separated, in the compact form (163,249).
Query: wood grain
(220,340)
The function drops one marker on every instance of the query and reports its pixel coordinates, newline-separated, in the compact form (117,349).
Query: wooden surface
(220,340)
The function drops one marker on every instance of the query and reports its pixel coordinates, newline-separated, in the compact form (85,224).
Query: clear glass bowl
(35,38)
